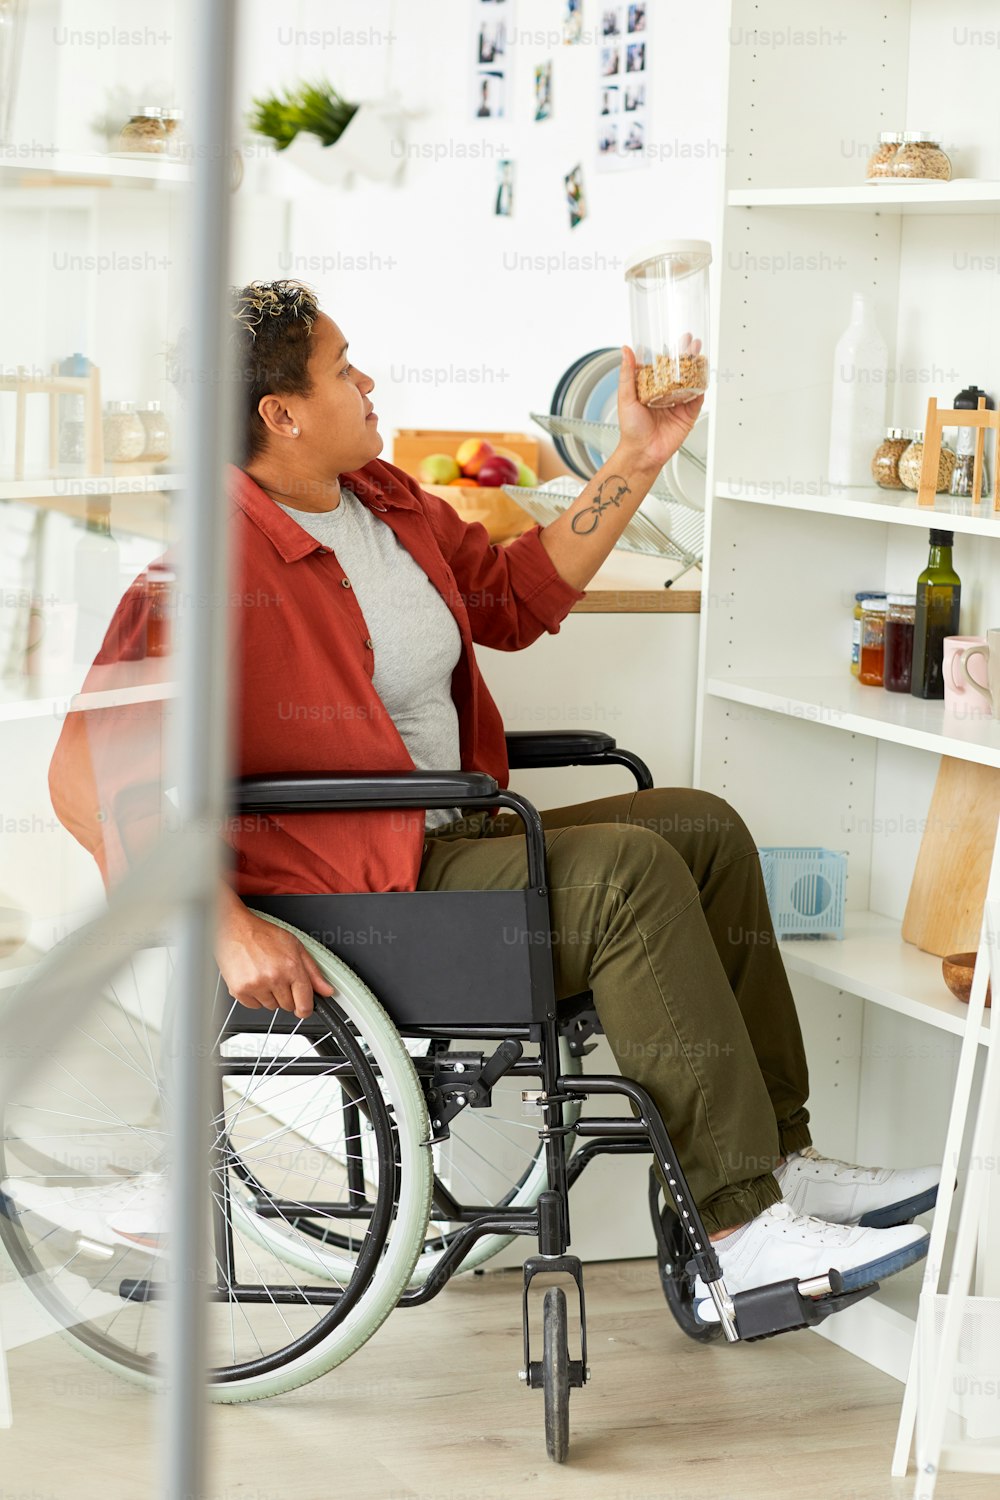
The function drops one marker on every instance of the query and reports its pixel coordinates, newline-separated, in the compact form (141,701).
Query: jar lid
(916,434)
(903,599)
(876,606)
(966,400)
(869,594)
(151,406)
(690,255)
(913,137)
(153,111)
(895,433)
(172,114)
(113,408)
(890,137)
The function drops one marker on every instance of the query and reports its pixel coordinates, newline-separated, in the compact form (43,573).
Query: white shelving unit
(803,751)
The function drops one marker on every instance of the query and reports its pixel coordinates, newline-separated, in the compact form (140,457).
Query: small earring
(295,432)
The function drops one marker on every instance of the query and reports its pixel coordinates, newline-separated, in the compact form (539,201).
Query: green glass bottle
(939,597)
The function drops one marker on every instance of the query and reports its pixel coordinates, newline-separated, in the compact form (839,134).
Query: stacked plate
(588,390)
(583,424)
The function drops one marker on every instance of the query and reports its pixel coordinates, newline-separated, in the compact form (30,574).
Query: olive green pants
(658,908)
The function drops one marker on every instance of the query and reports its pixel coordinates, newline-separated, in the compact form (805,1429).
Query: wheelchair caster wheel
(555,1374)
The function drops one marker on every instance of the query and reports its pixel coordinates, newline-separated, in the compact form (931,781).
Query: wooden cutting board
(944,912)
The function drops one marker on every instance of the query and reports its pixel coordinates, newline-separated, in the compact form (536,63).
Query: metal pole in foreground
(200,744)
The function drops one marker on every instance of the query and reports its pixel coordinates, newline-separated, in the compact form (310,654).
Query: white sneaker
(130,1213)
(780,1244)
(840,1193)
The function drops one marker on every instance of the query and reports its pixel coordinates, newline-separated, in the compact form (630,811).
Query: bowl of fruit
(472,479)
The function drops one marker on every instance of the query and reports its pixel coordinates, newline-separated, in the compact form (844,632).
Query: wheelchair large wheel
(332,1123)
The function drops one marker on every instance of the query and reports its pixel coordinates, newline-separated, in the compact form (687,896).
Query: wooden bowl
(958,969)
(501,516)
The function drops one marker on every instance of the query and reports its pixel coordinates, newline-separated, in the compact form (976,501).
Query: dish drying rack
(664,526)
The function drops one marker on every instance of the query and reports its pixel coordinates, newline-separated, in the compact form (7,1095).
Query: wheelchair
(419,1120)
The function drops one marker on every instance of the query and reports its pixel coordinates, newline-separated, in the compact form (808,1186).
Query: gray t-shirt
(416,641)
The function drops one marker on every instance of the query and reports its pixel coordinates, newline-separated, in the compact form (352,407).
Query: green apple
(526,477)
(438,468)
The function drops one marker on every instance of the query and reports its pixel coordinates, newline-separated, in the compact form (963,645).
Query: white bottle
(860,387)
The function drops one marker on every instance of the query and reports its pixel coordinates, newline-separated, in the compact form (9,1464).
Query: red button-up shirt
(301,673)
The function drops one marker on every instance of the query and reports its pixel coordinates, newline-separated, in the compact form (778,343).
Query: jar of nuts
(124,434)
(880,161)
(912,461)
(144,132)
(920,159)
(885,459)
(668,299)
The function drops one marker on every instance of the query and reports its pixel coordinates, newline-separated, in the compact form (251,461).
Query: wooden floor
(431,1409)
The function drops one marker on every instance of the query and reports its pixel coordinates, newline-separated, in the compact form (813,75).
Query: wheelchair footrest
(765,1311)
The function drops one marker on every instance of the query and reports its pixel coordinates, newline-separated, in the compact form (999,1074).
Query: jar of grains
(885,460)
(156,430)
(668,297)
(912,461)
(920,159)
(144,132)
(879,163)
(124,434)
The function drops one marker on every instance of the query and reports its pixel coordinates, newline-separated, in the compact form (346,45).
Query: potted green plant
(312,125)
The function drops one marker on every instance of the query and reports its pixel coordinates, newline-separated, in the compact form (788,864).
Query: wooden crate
(411,444)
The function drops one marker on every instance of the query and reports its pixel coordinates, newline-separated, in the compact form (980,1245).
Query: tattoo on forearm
(588,520)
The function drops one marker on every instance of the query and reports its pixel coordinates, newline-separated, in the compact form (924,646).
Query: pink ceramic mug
(986,657)
(959,697)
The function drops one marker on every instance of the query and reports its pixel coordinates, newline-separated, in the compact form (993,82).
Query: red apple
(496,471)
(472,454)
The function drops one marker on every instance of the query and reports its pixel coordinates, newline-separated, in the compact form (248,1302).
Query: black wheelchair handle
(382,789)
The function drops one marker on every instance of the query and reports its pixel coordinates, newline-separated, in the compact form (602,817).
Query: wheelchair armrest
(363,791)
(573,747)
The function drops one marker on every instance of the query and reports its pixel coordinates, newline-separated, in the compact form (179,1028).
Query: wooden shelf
(842,703)
(964,195)
(873,962)
(895,507)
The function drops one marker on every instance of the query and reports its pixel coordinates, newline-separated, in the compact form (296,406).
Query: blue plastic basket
(806,891)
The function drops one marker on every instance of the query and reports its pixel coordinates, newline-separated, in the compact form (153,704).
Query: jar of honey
(872,672)
(159,585)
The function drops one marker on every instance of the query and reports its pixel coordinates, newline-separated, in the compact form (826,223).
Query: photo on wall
(543,91)
(575,197)
(490,59)
(573,23)
(622,92)
(504,202)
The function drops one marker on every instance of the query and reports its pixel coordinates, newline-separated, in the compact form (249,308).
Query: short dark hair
(272,322)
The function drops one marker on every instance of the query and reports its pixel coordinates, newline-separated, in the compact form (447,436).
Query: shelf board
(75,485)
(37,698)
(85,167)
(842,703)
(864,503)
(873,962)
(965,195)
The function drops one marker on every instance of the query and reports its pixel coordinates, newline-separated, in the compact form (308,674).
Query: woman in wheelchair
(360,602)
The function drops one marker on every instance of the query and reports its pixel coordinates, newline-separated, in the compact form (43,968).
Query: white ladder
(934,1359)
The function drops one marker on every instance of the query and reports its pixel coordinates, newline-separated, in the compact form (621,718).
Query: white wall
(450,286)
